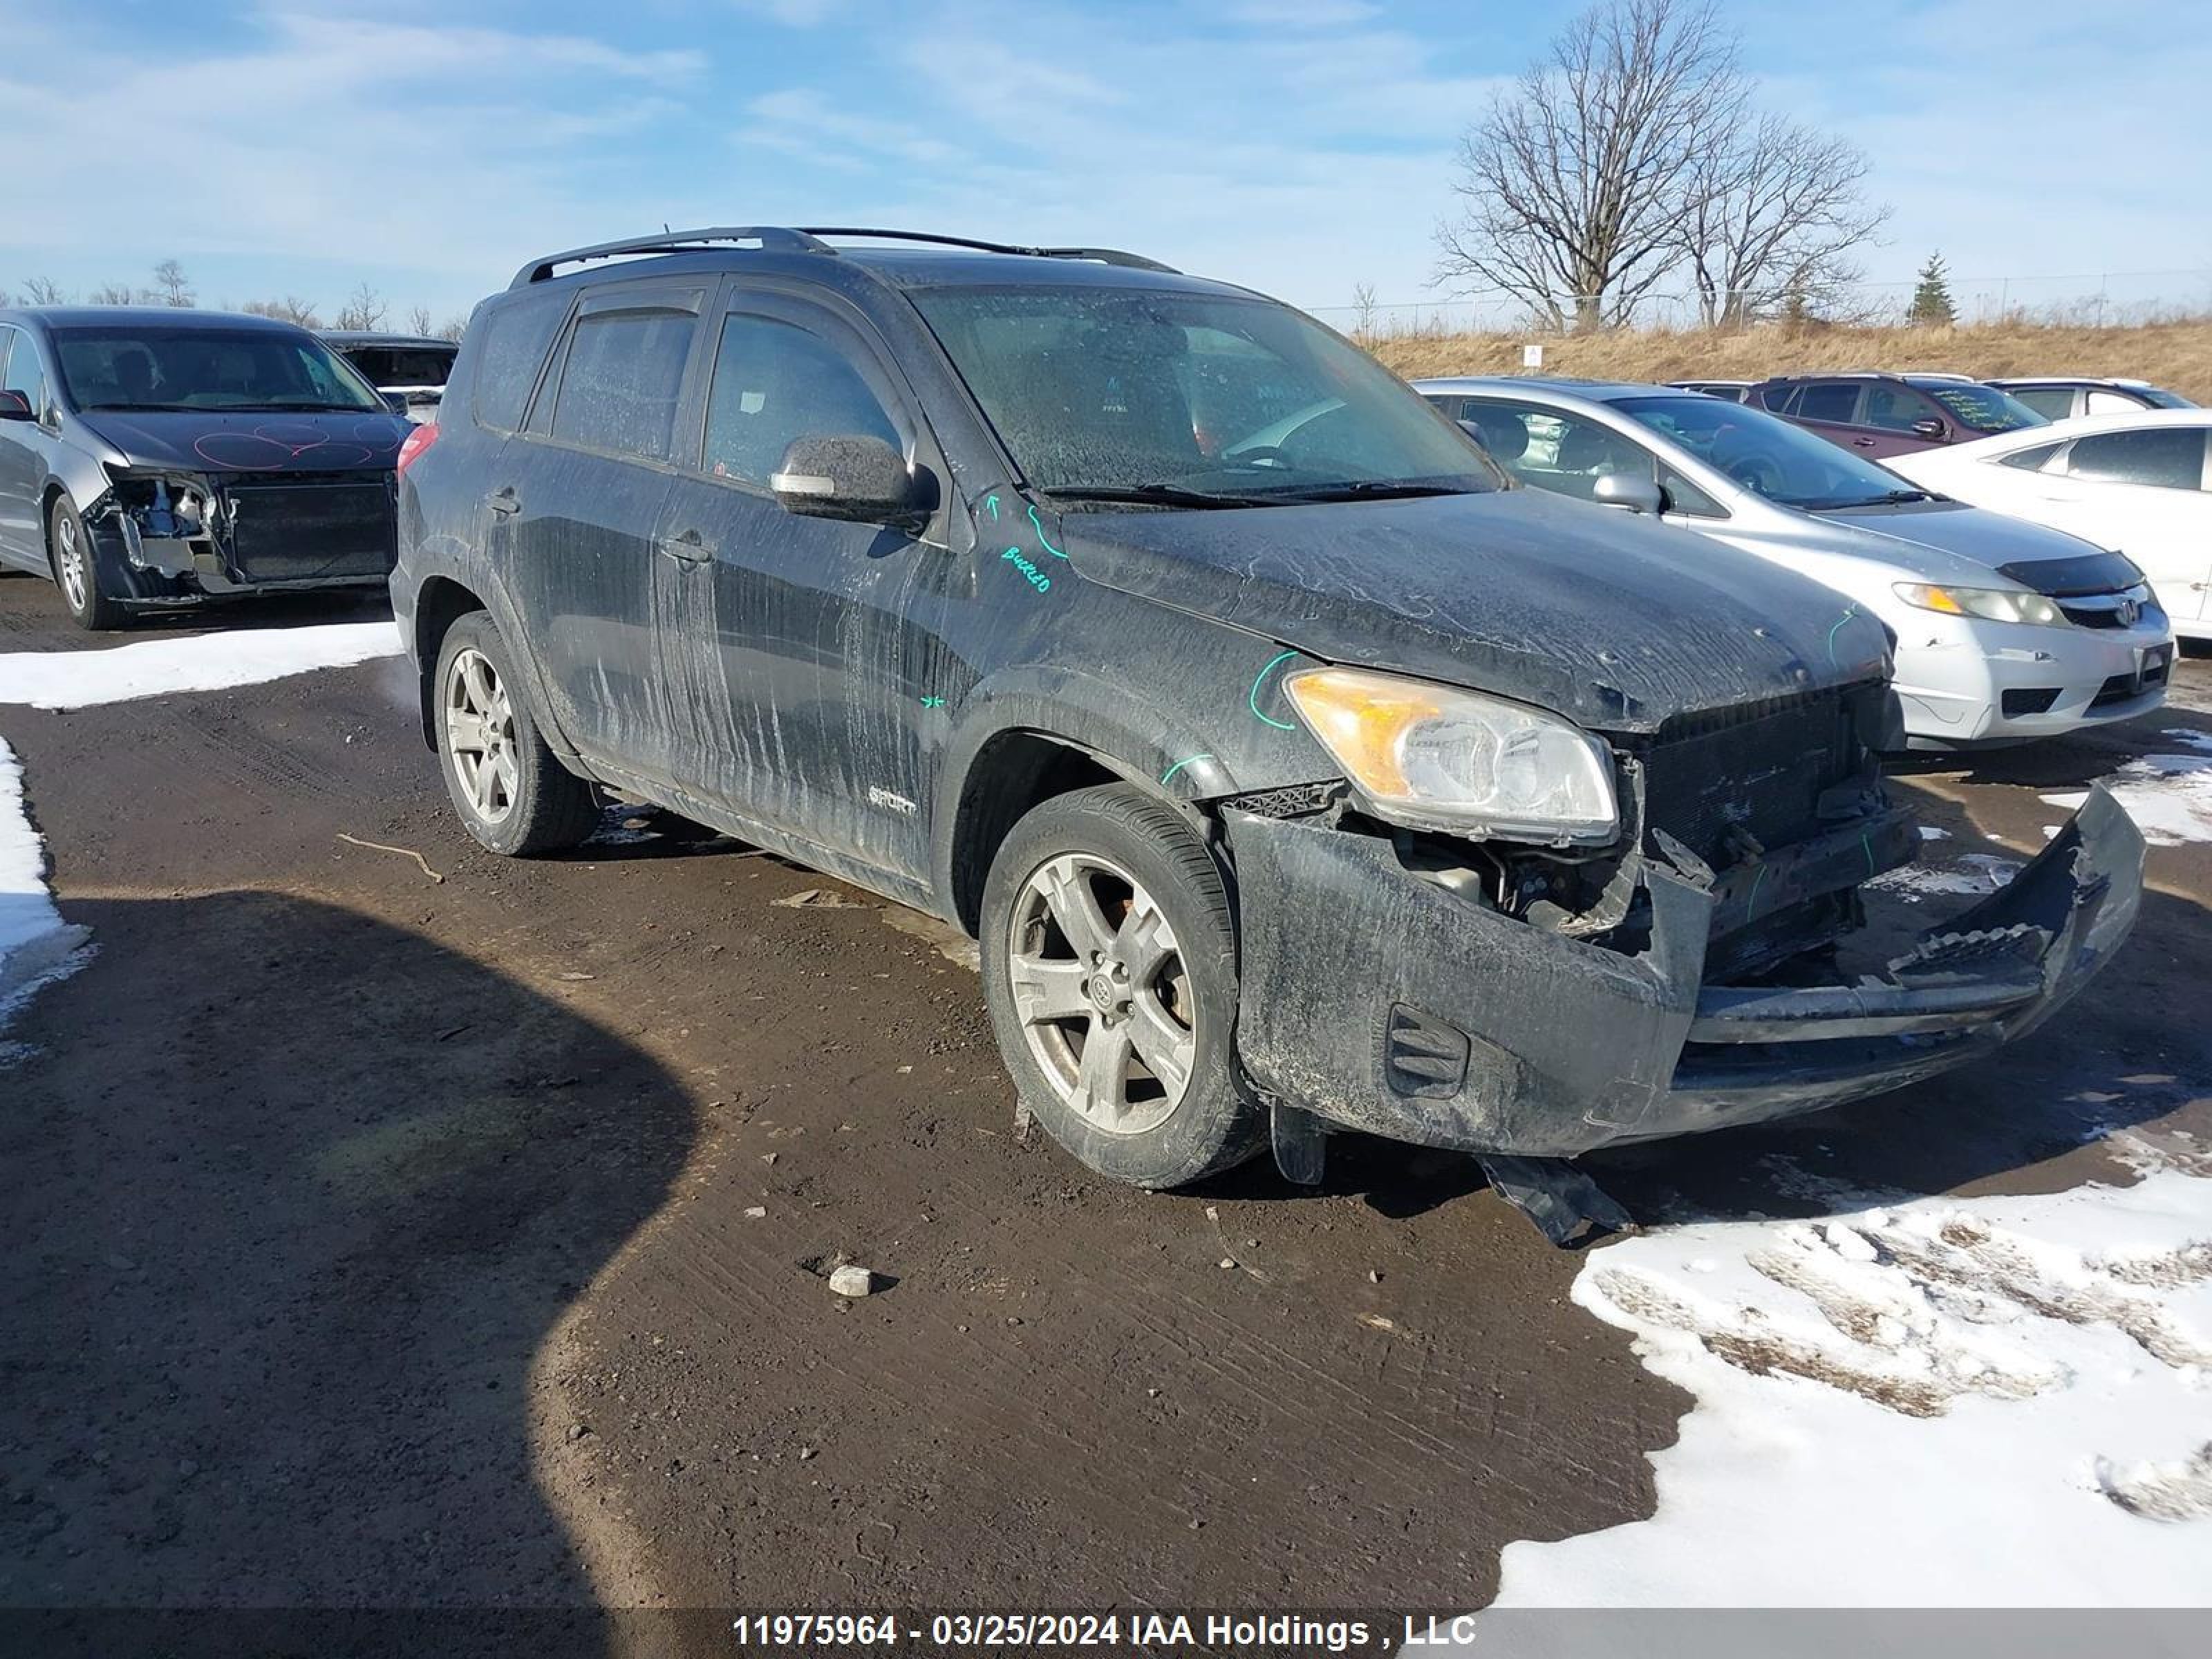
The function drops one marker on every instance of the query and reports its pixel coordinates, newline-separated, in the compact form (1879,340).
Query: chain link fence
(2097,299)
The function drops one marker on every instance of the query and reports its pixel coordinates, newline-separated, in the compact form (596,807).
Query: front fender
(1217,728)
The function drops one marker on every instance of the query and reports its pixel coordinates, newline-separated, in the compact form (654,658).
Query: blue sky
(429,147)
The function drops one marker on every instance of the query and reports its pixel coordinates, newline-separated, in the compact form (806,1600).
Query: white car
(2139,484)
(2005,631)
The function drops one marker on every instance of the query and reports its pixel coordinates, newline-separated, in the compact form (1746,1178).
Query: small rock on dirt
(849,1280)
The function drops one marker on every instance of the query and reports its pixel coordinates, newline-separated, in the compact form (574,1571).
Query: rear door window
(2053,403)
(1830,400)
(622,381)
(514,336)
(2170,457)
(775,381)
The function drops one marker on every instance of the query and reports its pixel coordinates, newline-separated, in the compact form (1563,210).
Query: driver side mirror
(16,406)
(846,476)
(1631,490)
(1930,428)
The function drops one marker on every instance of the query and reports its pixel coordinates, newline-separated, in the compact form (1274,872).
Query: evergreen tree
(1931,305)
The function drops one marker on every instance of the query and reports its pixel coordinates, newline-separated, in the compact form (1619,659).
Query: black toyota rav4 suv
(1295,771)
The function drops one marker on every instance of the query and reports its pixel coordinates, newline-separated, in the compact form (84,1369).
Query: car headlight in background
(1443,758)
(2010,604)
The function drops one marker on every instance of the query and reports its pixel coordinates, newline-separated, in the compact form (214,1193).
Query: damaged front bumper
(171,538)
(1378,1001)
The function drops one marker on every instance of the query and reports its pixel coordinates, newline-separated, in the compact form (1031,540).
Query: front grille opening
(2029,700)
(1723,788)
(2123,687)
(2088,615)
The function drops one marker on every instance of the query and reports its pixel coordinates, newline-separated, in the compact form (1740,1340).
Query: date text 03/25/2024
(1324,1633)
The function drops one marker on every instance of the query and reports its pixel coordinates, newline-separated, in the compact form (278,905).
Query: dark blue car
(156,457)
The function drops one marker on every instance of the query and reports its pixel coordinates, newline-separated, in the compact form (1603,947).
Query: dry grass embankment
(2176,355)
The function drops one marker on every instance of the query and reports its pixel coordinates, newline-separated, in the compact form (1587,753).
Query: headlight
(1443,758)
(2010,604)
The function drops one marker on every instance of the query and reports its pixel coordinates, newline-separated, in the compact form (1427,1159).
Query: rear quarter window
(508,347)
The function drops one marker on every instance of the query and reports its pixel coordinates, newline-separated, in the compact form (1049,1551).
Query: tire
(511,794)
(1050,998)
(75,564)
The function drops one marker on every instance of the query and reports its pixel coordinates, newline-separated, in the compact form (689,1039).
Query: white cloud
(456,151)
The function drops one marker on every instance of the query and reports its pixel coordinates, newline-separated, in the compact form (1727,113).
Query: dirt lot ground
(380,1240)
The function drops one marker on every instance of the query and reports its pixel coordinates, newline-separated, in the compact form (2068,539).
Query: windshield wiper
(1887,498)
(1163,494)
(1371,490)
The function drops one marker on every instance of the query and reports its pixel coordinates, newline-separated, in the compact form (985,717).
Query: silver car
(2006,631)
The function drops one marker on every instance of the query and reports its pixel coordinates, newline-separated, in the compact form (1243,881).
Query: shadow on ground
(294,1199)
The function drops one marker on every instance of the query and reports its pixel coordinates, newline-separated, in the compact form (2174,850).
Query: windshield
(1192,399)
(1768,454)
(2160,398)
(1984,408)
(205,369)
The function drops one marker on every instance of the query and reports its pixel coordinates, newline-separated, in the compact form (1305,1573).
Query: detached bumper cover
(1382,1003)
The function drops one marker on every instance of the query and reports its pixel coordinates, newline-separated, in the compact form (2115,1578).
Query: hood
(1616,623)
(246,441)
(1981,538)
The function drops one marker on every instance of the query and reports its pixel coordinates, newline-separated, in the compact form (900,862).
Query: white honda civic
(2140,484)
(2005,631)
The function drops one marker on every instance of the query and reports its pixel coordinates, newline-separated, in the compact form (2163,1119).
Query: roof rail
(673,241)
(1106,256)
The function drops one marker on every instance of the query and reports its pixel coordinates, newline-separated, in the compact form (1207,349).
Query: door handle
(687,547)
(504,500)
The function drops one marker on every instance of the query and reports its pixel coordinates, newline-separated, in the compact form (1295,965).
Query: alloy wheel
(1104,999)
(480,735)
(68,559)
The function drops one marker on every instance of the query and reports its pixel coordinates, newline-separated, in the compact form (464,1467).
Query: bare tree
(112,293)
(364,311)
(1573,181)
(418,320)
(291,309)
(171,287)
(453,328)
(44,291)
(1363,311)
(1769,219)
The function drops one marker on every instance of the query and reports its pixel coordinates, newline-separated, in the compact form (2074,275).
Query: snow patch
(2168,796)
(1939,1402)
(204,662)
(36,947)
